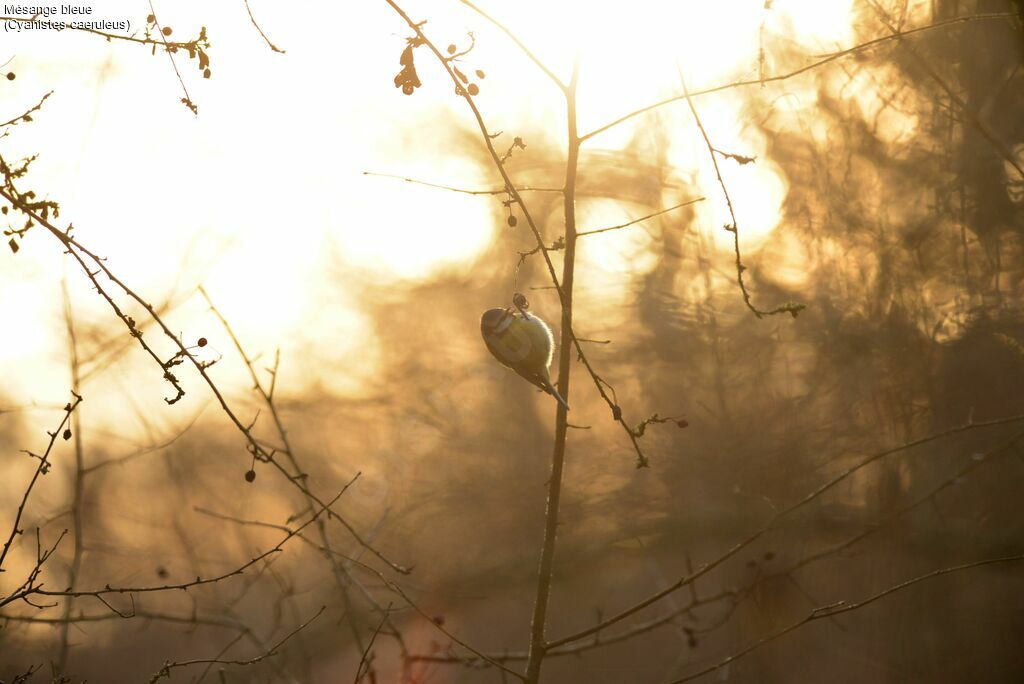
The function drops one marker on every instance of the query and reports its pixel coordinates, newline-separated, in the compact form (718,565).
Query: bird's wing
(496,355)
(521,369)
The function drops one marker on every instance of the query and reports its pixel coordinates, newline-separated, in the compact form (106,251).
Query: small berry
(451,49)
(10,76)
(512,221)
(66,435)
(473,89)
(201,342)
(167,30)
(250,475)
(151,19)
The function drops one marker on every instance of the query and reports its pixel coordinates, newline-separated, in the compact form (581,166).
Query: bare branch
(810,67)
(791,308)
(38,213)
(841,607)
(38,590)
(526,51)
(689,578)
(641,219)
(42,468)
(262,34)
(26,116)
(388,583)
(165,671)
(366,659)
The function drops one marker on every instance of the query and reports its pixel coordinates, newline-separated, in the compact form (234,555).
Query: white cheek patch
(503,326)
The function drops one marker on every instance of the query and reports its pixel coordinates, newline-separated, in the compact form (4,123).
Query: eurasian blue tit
(522,342)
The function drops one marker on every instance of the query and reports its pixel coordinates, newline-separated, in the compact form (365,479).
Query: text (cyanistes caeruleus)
(522,342)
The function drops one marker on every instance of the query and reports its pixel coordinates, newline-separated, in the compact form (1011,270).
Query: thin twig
(388,583)
(640,220)
(366,658)
(464,191)
(264,35)
(734,228)
(998,144)
(796,72)
(26,116)
(690,577)
(187,100)
(38,590)
(42,468)
(339,574)
(526,51)
(840,607)
(84,257)
(165,671)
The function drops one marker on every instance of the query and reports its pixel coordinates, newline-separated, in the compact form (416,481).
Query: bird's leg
(520,301)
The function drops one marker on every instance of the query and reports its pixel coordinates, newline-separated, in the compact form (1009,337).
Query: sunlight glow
(262,198)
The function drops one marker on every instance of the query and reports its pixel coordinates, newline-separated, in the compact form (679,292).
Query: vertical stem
(76,503)
(547,557)
(963,238)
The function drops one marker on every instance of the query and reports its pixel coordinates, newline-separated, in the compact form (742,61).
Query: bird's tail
(553,392)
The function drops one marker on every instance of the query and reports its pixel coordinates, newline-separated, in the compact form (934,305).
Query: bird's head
(495,321)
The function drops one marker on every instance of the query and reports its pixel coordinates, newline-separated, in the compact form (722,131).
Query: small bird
(523,342)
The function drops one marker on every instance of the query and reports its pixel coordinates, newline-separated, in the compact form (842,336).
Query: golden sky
(262,197)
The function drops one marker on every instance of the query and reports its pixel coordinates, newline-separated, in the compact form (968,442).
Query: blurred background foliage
(903,239)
